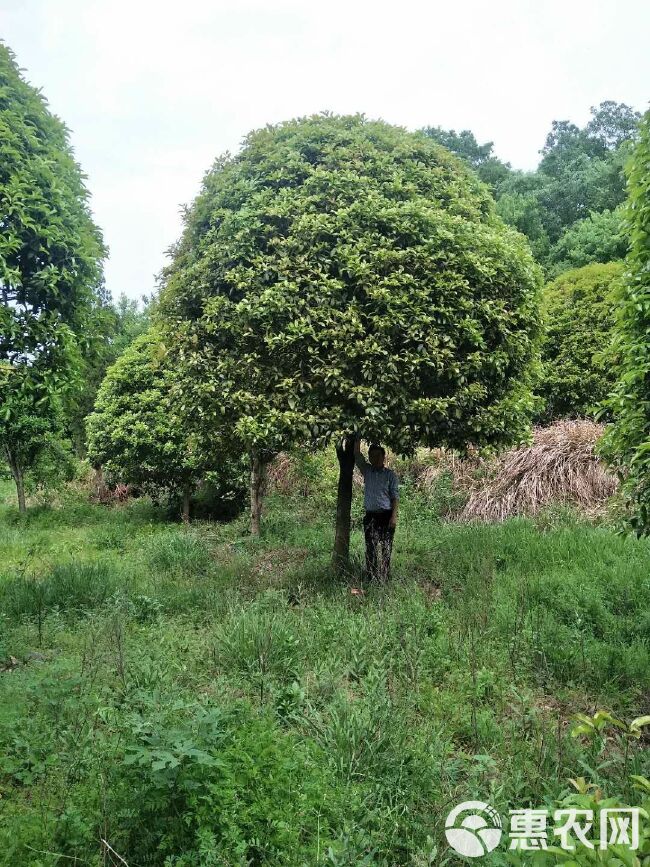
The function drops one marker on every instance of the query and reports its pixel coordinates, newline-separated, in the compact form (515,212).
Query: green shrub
(577,361)
(220,787)
(139,434)
(259,644)
(600,237)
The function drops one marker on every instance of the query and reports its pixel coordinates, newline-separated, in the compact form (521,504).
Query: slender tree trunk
(20,490)
(99,483)
(187,493)
(17,473)
(345,455)
(79,442)
(258,479)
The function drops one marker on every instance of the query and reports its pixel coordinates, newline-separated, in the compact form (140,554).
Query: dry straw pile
(561,466)
(281,474)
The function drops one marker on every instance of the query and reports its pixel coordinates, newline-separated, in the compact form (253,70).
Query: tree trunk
(20,490)
(345,455)
(258,478)
(187,493)
(79,442)
(99,484)
(17,473)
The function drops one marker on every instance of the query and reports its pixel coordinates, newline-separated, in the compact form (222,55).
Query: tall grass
(177,552)
(206,698)
(75,586)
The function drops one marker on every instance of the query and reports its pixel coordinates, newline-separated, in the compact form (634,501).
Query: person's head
(376,455)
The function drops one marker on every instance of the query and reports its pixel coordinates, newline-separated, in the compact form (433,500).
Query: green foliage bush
(257,640)
(600,237)
(138,433)
(221,787)
(578,360)
(133,433)
(114,326)
(628,440)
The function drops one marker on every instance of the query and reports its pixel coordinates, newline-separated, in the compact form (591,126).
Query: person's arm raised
(359,459)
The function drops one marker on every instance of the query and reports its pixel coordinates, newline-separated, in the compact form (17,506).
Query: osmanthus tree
(578,360)
(341,276)
(50,270)
(627,441)
(135,432)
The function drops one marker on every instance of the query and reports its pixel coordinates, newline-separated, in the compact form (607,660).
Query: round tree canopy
(342,275)
(137,435)
(134,432)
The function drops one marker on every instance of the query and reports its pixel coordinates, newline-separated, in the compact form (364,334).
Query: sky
(153,91)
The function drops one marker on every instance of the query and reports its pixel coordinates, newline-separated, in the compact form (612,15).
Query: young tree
(627,442)
(31,414)
(50,269)
(138,436)
(578,364)
(341,276)
(134,432)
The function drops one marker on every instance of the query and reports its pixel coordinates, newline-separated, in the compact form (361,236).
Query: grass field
(197,697)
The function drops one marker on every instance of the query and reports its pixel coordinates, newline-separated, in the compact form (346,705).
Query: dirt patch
(272,566)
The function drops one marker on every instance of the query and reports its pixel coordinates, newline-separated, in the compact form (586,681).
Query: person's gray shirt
(381,485)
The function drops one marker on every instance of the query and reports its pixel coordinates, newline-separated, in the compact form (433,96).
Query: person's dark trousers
(379,543)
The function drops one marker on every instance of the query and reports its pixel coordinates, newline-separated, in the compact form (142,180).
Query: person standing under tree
(381,498)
